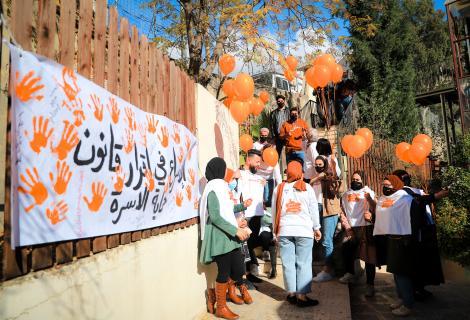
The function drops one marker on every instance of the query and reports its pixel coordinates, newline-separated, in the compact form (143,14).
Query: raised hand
(129,141)
(41,134)
(26,88)
(120,176)
(131,119)
(36,188)
(192,176)
(164,137)
(150,183)
(151,123)
(98,193)
(179,199)
(113,110)
(67,142)
(188,192)
(58,212)
(97,107)
(63,177)
(176,134)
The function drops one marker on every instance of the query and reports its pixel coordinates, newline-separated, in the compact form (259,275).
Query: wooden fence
(87,36)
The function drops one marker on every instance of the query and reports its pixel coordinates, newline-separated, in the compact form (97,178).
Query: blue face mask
(232,185)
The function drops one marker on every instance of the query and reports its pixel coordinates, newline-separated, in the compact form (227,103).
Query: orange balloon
(425,140)
(310,77)
(226,63)
(400,151)
(228,89)
(289,74)
(406,156)
(246,142)
(270,156)
(228,101)
(291,62)
(367,134)
(256,106)
(417,153)
(357,146)
(244,86)
(346,142)
(337,73)
(325,59)
(239,110)
(264,96)
(321,74)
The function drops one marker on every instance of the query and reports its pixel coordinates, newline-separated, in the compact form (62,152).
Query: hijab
(294,174)
(215,169)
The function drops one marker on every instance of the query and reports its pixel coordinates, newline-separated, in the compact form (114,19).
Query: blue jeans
(296,256)
(405,291)
(268,192)
(296,155)
(328,225)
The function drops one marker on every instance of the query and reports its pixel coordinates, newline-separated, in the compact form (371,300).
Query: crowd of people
(306,207)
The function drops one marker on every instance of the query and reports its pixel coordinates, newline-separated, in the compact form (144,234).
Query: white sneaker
(254,270)
(397,304)
(347,278)
(266,256)
(401,312)
(322,277)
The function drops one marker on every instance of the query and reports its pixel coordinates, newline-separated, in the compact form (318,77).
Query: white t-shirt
(428,209)
(392,214)
(299,213)
(258,146)
(355,204)
(267,172)
(251,186)
(310,155)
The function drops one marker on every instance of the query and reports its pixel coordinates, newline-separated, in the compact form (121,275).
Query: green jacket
(219,236)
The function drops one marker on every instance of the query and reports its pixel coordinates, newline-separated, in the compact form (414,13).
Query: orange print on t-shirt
(387,203)
(353,197)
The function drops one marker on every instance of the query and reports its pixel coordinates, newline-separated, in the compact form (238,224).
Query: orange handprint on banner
(36,188)
(120,176)
(152,123)
(129,141)
(69,85)
(76,107)
(98,193)
(41,134)
(181,155)
(26,88)
(176,134)
(164,138)
(97,107)
(63,177)
(192,176)
(188,142)
(189,154)
(179,199)
(196,204)
(143,134)
(150,183)
(67,142)
(58,212)
(131,119)
(188,192)
(113,110)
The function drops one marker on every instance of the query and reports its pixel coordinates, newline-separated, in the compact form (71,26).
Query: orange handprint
(58,212)
(98,192)
(188,192)
(196,204)
(120,176)
(130,141)
(188,142)
(63,177)
(176,134)
(67,142)
(26,88)
(113,110)
(179,199)
(37,189)
(97,107)
(192,176)
(143,134)
(69,86)
(150,183)
(130,118)
(76,107)
(164,138)
(181,155)
(190,153)
(152,123)
(41,135)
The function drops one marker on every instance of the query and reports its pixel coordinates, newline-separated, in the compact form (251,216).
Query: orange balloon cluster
(290,72)
(270,156)
(356,145)
(246,142)
(415,153)
(324,69)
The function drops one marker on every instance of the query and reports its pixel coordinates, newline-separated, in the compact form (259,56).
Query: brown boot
(245,294)
(232,293)
(222,311)
(210,300)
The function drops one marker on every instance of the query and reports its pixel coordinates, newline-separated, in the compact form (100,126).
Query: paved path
(269,302)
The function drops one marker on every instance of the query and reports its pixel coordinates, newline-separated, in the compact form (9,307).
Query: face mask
(253,169)
(293,117)
(232,185)
(319,169)
(280,104)
(263,139)
(388,191)
(356,185)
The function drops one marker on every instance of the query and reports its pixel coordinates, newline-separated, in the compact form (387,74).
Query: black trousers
(254,224)
(279,145)
(230,265)
(266,239)
(350,255)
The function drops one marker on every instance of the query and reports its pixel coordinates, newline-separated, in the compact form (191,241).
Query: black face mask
(356,185)
(388,191)
(263,139)
(253,169)
(280,104)
(293,118)
(319,169)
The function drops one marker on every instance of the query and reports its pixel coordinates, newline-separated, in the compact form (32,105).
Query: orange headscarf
(294,173)
(395,181)
(229,175)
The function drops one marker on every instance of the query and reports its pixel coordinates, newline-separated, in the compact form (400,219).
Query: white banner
(86,163)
